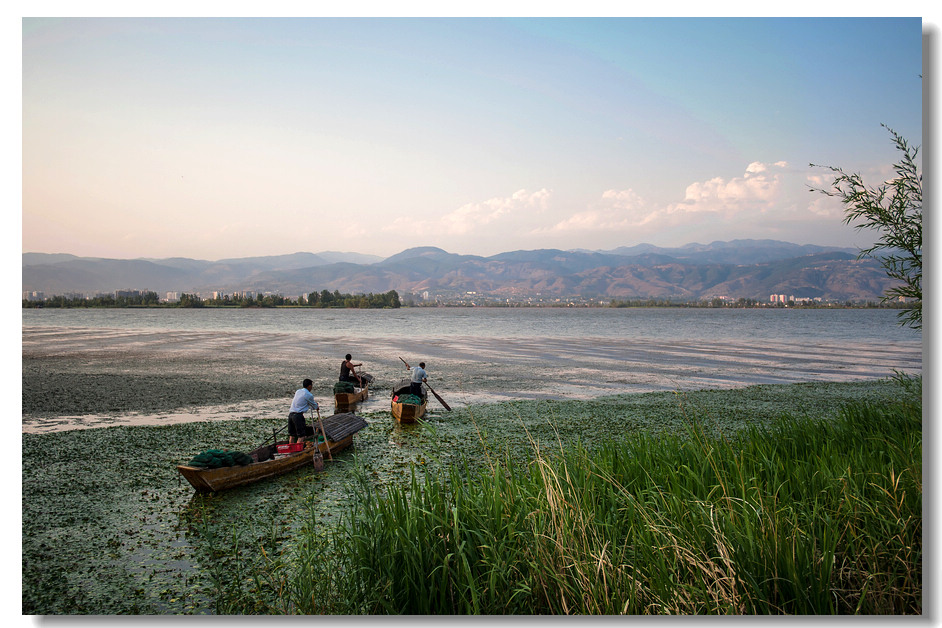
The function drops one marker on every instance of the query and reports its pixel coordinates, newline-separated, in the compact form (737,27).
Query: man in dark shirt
(348,371)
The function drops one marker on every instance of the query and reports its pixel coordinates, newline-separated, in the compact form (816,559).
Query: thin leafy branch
(894,210)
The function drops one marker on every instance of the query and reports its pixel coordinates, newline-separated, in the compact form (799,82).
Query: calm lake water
(673,324)
(477,355)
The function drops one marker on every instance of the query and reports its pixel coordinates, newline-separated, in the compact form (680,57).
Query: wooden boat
(343,400)
(407,412)
(339,429)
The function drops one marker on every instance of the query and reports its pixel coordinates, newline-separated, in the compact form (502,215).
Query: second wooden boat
(407,412)
(345,399)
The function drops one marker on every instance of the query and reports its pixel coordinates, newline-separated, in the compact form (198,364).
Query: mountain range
(752,269)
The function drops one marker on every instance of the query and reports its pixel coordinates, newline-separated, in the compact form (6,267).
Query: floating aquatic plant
(109,527)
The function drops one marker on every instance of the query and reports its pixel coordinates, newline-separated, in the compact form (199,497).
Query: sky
(214,138)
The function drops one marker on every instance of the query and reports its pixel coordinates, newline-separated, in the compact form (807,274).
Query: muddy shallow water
(79,377)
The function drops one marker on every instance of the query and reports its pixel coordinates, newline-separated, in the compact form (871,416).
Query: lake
(672,324)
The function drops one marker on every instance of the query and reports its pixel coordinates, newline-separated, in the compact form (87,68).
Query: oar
(440,400)
(326,442)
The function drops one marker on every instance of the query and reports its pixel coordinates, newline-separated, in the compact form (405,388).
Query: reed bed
(808,517)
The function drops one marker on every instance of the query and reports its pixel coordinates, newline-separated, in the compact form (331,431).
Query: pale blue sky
(215,138)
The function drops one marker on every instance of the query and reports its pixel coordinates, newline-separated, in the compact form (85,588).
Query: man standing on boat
(418,377)
(302,402)
(348,371)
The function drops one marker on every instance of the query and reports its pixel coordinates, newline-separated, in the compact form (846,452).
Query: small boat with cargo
(346,394)
(237,469)
(407,407)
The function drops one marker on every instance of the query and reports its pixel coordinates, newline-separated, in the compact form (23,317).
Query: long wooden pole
(440,400)
(326,442)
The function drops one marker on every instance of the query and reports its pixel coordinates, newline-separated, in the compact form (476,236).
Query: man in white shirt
(303,401)
(418,376)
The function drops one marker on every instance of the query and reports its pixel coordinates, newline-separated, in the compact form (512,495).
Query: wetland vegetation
(802,498)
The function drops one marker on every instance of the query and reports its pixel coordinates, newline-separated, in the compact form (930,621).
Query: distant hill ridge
(736,269)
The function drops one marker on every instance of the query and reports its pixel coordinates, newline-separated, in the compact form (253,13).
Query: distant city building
(34,296)
(129,293)
(781,298)
(173,297)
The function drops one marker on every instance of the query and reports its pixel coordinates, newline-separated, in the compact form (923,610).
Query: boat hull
(342,400)
(215,480)
(408,413)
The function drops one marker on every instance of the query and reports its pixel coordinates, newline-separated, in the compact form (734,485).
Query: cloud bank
(761,202)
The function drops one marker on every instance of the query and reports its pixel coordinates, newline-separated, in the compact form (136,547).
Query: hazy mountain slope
(105,275)
(643,271)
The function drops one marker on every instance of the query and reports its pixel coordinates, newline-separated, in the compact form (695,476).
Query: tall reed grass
(809,517)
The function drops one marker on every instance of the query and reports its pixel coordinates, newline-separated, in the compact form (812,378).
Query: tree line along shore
(392,300)
(322,299)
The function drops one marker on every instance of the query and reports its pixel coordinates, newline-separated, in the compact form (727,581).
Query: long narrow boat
(343,400)
(339,429)
(407,412)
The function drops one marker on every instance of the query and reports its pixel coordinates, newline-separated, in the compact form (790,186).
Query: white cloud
(757,189)
(826,207)
(627,199)
(767,200)
(474,216)
(617,210)
(821,205)
(819,181)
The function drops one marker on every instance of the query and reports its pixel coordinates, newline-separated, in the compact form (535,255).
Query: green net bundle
(410,399)
(215,458)
(343,387)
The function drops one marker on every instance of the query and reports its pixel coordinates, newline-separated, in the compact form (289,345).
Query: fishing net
(410,399)
(343,387)
(216,458)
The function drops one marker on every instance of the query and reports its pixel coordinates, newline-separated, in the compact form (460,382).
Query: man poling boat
(419,378)
(407,407)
